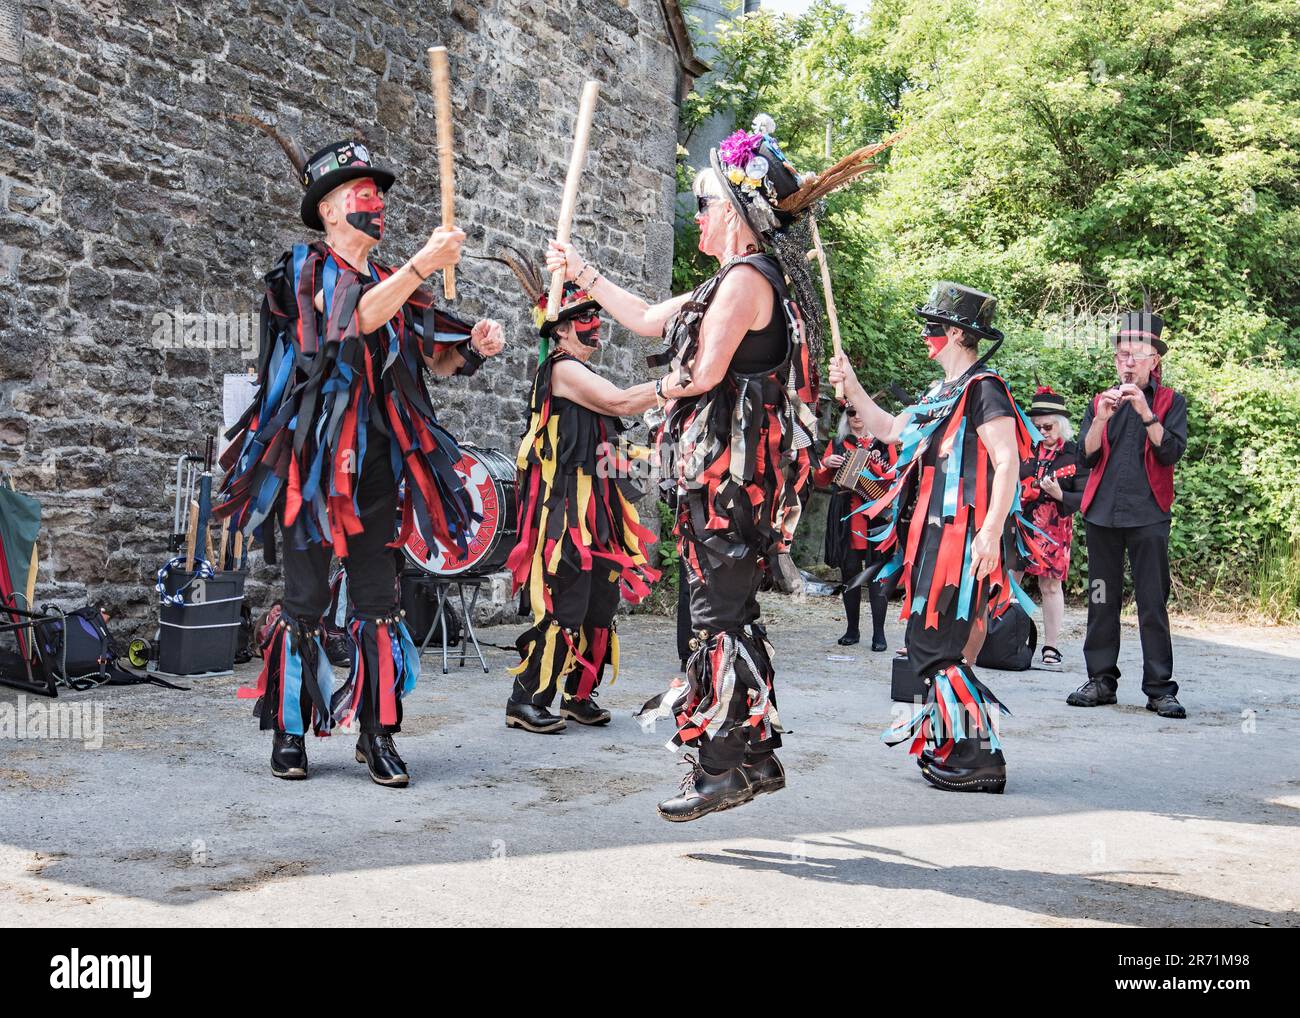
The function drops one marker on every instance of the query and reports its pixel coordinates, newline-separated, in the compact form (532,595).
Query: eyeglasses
(586,318)
(1139,358)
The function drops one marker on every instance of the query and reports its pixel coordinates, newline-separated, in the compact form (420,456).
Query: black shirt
(1123,497)
(986,401)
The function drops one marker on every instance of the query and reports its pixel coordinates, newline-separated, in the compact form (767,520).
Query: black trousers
(854,562)
(1148,555)
(728,603)
(370,564)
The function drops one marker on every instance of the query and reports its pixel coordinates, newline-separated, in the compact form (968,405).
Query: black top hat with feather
(574,301)
(325,170)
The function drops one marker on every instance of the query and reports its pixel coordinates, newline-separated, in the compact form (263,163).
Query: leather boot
(969,768)
(288,756)
(532,719)
(702,793)
(379,755)
(765,773)
(585,712)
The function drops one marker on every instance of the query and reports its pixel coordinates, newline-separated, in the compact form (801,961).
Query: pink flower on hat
(739,148)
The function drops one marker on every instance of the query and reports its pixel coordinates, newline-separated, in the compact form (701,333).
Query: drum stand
(441,589)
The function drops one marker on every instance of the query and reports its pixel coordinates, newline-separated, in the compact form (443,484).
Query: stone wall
(126,200)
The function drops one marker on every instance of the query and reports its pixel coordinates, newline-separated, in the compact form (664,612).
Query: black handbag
(1011,641)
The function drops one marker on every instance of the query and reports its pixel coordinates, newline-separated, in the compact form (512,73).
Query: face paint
(363,208)
(588,333)
(936,338)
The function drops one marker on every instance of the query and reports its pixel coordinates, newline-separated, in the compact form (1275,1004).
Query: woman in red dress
(847,547)
(1051,493)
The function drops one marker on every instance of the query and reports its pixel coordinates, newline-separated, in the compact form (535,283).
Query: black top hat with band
(1047,402)
(334,165)
(970,310)
(1142,326)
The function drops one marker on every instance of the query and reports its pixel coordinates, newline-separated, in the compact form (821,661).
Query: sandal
(1051,656)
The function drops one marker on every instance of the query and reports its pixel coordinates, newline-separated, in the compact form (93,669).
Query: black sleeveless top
(763,349)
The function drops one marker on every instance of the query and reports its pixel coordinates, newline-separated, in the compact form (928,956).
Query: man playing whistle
(1133,434)
(343,430)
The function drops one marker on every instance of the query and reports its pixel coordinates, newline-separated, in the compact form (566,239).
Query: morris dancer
(960,452)
(735,447)
(580,538)
(341,429)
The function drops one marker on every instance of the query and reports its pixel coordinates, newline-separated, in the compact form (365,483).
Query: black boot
(764,772)
(585,712)
(338,648)
(379,755)
(532,719)
(969,768)
(1093,693)
(702,792)
(288,756)
(850,637)
(878,642)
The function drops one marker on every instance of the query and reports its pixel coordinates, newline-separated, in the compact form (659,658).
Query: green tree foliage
(1073,157)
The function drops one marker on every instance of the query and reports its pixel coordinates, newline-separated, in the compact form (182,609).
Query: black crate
(905,685)
(203,635)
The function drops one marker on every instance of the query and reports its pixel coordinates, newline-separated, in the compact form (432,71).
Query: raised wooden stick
(220,564)
(830,300)
(238,553)
(440,71)
(581,135)
(191,535)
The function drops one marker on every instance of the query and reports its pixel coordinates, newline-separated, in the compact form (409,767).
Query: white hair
(1063,425)
(708,183)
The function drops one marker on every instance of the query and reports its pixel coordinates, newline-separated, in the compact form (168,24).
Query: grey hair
(1064,425)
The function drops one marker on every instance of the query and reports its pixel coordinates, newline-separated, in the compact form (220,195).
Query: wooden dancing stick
(238,552)
(192,535)
(220,564)
(836,348)
(440,71)
(581,136)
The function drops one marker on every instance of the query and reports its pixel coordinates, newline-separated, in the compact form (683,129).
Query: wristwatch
(1154,420)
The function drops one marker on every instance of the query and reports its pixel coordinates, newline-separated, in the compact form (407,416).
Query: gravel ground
(1112,816)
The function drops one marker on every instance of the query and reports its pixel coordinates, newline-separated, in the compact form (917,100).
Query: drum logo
(486,504)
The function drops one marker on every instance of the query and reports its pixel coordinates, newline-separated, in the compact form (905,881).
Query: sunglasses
(702,203)
(586,318)
(850,412)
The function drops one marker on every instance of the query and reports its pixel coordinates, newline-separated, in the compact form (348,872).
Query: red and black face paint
(935,336)
(363,207)
(587,329)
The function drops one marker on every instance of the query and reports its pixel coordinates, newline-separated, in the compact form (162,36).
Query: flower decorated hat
(764,186)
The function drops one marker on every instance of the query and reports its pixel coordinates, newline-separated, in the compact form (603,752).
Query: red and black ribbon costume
(735,459)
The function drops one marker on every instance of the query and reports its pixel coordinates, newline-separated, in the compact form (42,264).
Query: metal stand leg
(469,625)
(433,623)
(443,590)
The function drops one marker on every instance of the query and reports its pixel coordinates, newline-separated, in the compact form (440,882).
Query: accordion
(858,476)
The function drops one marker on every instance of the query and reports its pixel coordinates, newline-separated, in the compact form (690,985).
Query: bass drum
(489,477)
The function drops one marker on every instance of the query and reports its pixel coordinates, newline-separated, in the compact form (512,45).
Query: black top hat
(971,310)
(1046,402)
(756,175)
(1141,325)
(334,165)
